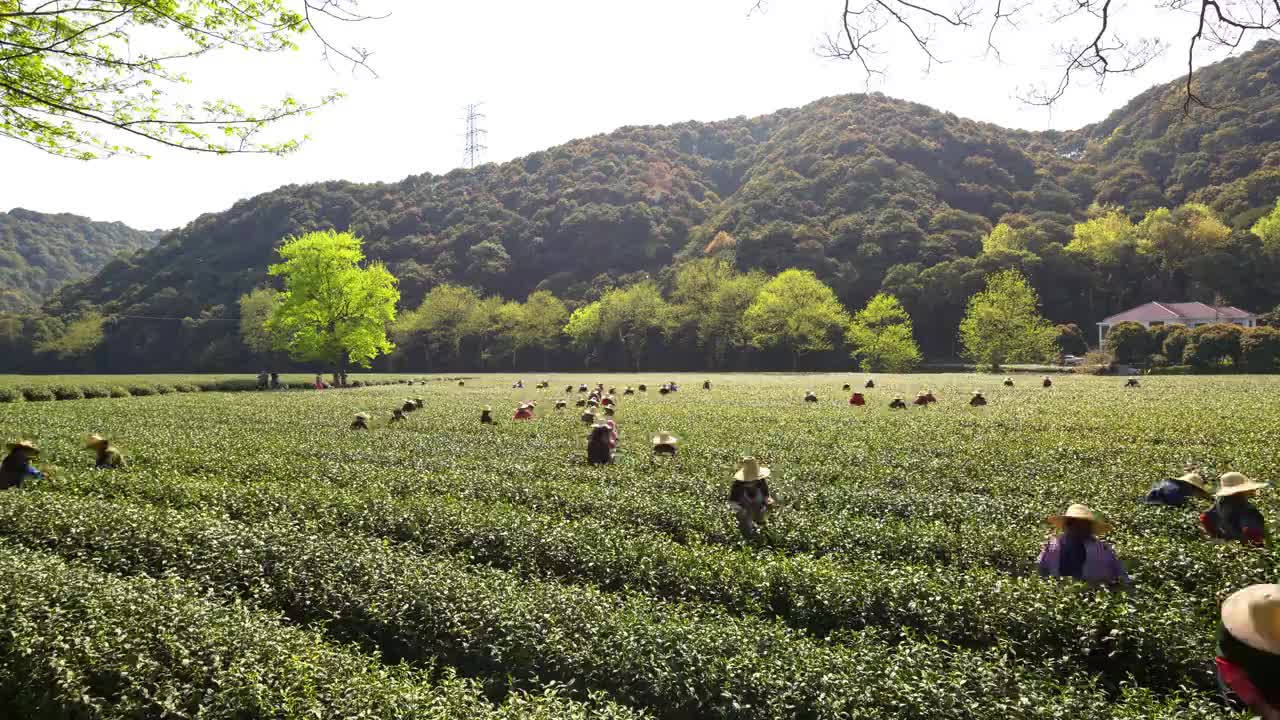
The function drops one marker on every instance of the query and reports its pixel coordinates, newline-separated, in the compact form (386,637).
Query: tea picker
(749,496)
(16,468)
(107,456)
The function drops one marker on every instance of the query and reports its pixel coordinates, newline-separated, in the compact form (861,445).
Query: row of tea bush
(75,391)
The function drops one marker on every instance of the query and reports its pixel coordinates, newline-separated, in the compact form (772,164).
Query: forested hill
(39,253)
(869,192)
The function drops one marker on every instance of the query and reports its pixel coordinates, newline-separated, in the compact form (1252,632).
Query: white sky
(552,71)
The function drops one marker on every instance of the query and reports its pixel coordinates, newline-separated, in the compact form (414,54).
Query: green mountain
(40,253)
(868,191)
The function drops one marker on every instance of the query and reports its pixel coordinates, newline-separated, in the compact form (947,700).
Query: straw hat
(599,425)
(1194,480)
(27,445)
(1234,483)
(749,469)
(664,438)
(488,409)
(977,392)
(363,416)
(1079,511)
(95,440)
(1252,616)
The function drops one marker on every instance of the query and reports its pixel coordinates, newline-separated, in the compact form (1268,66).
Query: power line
(474,135)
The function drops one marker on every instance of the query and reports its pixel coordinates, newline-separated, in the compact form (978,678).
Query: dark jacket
(1235,519)
(109,458)
(598,450)
(1168,492)
(741,492)
(977,400)
(16,470)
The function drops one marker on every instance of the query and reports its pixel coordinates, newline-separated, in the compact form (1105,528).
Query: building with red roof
(1188,314)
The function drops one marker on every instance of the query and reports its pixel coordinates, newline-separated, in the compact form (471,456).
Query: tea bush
(68,392)
(119,392)
(96,391)
(140,390)
(8,395)
(38,393)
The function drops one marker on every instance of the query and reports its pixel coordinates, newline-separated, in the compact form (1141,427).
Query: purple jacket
(1100,562)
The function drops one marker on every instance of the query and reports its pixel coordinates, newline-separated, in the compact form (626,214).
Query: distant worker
(264,380)
(16,468)
(589,416)
(419,403)
(397,415)
(523,412)
(706,384)
(869,384)
(517,385)
(561,404)
(613,434)
(643,388)
(1076,552)
(1046,381)
(610,410)
(663,389)
(568,389)
(1232,516)
(108,457)
(629,391)
(582,388)
(749,496)
(810,397)
(929,397)
(462,383)
(361,422)
(599,452)
(664,444)
(977,400)
(1248,661)
(409,406)
(275,381)
(921,399)
(1174,492)
(857,399)
(486,416)
(1132,383)
(1008,381)
(897,403)
(846,387)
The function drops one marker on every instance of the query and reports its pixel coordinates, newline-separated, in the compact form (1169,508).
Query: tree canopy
(332,309)
(1003,323)
(797,312)
(80,78)
(882,338)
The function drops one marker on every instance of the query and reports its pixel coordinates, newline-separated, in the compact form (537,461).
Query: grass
(897,577)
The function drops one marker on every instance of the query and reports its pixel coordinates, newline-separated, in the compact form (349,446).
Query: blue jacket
(1168,492)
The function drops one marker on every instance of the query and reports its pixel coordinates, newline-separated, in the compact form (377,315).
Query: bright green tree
(882,337)
(1176,237)
(1108,239)
(1004,237)
(79,79)
(630,315)
(1003,324)
(541,323)
(1268,230)
(334,308)
(583,326)
(796,312)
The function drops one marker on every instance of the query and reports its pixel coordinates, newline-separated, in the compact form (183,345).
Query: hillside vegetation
(869,192)
(40,253)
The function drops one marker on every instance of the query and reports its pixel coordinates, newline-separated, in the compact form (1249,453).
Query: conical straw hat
(1252,616)
(665,438)
(1234,483)
(750,469)
(1080,511)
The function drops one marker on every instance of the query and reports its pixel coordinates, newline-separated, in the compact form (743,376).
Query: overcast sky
(549,72)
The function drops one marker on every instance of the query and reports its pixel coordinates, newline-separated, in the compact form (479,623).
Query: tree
(256,307)
(441,322)
(882,337)
(80,337)
(1129,342)
(541,323)
(1174,346)
(1071,340)
(77,80)
(1004,237)
(630,315)
(332,309)
(796,312)
(866,27)
(710,298)
(1211,345)
(1002,323)
(1109,238)
(1268,230)
(1260,349)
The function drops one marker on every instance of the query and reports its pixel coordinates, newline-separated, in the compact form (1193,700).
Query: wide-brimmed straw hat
(362,416)
(977,392)
(95,440)
(664,438)
(1252,616)
(488,408)
(1079,511)
(1234,483)
(750,469)
(27,445)
(1194,480)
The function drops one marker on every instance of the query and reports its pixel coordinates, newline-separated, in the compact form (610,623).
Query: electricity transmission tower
(474,135)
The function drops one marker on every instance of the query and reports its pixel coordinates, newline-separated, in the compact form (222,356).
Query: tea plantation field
(259,559)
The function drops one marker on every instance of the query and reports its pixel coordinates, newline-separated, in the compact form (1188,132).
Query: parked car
(1072,360)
